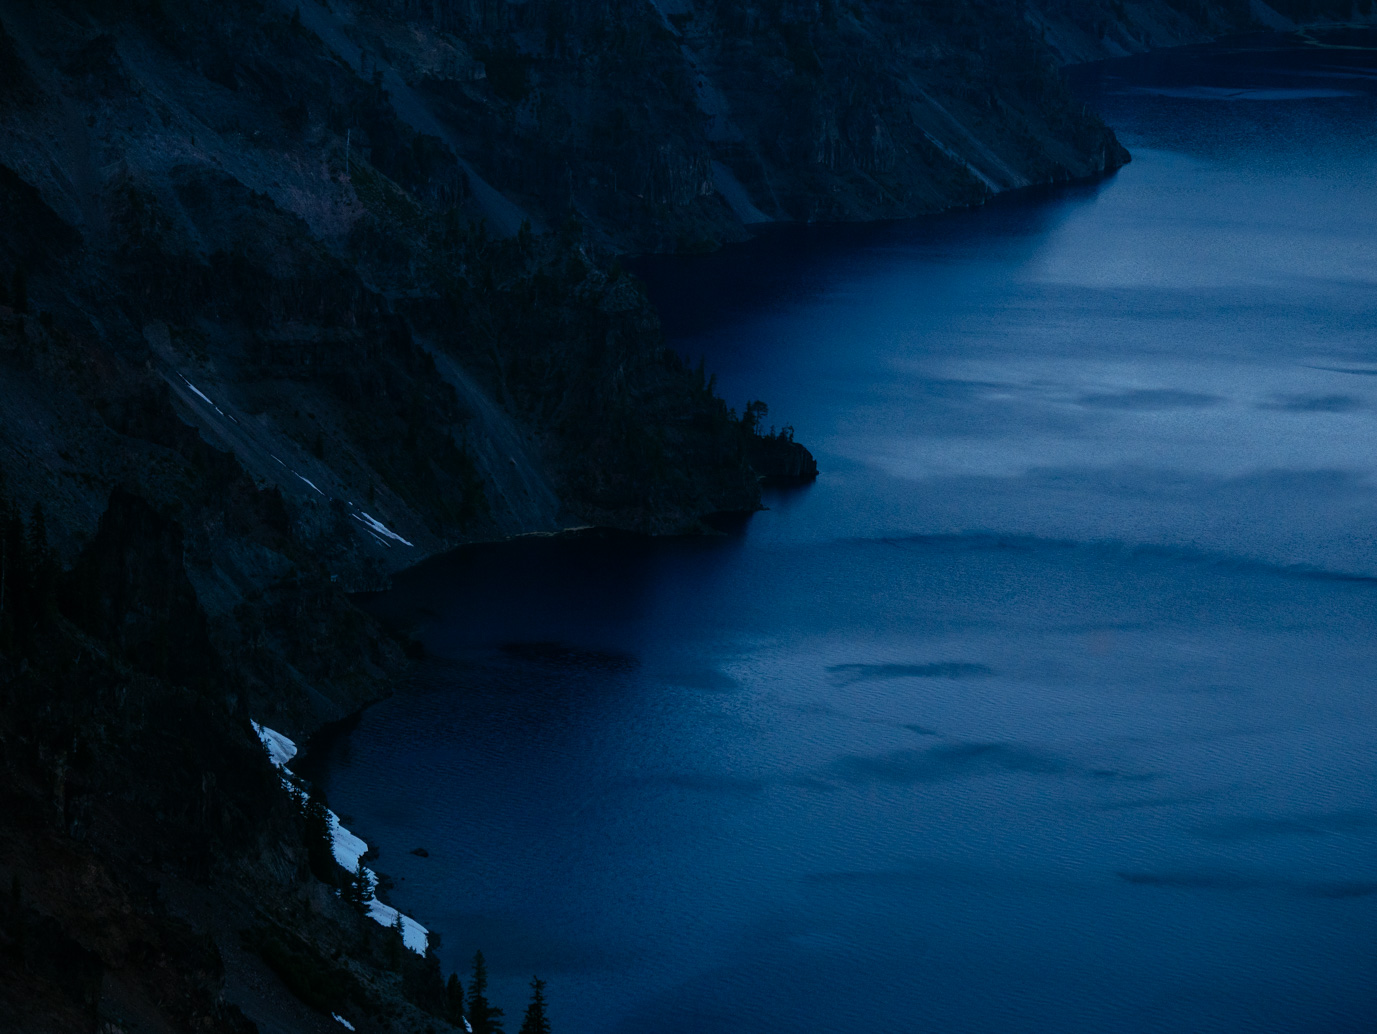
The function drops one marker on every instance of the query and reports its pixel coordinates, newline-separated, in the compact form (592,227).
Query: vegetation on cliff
(130,781)
(293,294)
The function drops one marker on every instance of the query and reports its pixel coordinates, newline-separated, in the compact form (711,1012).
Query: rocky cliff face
(363,246)
(240,284)
(294,293)
(1092,31)
(155,871)
(675,124)
(209,196)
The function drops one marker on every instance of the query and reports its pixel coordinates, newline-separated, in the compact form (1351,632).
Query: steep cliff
(206,196)
(294,293)
(238,283)
(155,871)
(1078,31)
(363,247)
(676,124)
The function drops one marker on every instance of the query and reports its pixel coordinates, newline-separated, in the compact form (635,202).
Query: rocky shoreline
(295,295)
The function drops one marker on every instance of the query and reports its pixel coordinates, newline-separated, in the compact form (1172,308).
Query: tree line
(470,1012)
(31,584)
(480,1015)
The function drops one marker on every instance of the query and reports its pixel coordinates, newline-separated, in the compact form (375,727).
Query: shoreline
(330,732)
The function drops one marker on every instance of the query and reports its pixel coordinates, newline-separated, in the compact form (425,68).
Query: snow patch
(414,935)
(342,1021)
(347,848)
(380,528)
(280,749)
(309,482)
(204,397)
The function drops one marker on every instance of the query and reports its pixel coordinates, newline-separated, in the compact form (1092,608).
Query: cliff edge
(295,293)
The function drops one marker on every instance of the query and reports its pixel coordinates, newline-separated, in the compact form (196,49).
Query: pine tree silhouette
(358,890)
(316,829)
(483,1017)
(536,1022)
(454,1000)
(396,943)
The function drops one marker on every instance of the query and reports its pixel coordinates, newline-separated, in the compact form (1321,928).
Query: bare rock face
(154,866)
(367,248)
(779,460)
(294,294)
(675,125)
(129,588)
(301,252)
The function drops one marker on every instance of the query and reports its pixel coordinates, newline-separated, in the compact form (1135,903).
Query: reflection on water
(1049,707)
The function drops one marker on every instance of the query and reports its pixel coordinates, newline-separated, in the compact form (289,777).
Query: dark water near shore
(1049,707)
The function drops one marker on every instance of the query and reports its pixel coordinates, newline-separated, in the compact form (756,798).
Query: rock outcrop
(155,871)
(779,460)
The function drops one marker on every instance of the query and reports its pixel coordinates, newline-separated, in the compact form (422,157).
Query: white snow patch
(205,397)
(348,849)
(373,534)
(342,1021)
(280,749)
(310,482)
(413,933)
(380,528)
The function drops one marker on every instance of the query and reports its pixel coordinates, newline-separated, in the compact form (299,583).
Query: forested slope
(294,294)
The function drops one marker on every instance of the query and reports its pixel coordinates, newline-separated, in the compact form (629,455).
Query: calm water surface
(1050,707)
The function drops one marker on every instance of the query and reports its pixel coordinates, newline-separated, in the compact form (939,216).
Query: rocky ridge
(295,294)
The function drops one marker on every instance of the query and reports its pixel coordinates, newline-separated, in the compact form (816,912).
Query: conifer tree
(319,849)
(483,1017)
(359,890)
(454,1001)
(536,1022)
(350,891)
(752,415)
(397,943)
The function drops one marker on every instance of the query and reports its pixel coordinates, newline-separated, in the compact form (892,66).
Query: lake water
(1049,707)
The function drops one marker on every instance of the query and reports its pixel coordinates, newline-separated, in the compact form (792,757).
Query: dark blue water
(1051,706)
